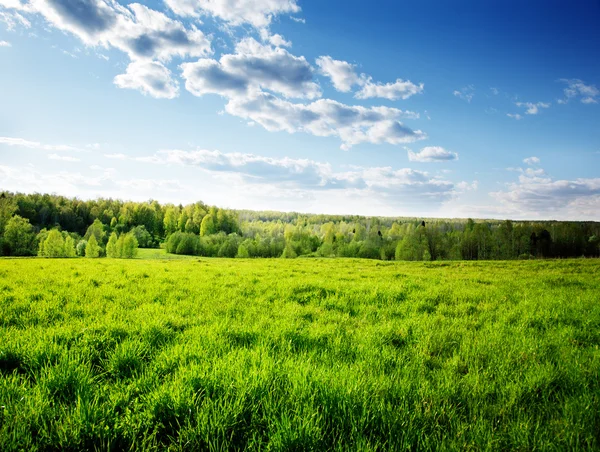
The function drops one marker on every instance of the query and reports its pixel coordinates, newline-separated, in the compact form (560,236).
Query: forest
(56,226)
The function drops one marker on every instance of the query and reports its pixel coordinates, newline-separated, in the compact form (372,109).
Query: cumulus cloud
(531,161)
(537,193)
(400,89)
(257,13)
(467,93)
(150,78)
(516,116)
(576,88)
(532,108)
(254,66)
(5,44)
(343,76)
(325,117)
(142,33)
(432,154)
(139,31)
(341,73)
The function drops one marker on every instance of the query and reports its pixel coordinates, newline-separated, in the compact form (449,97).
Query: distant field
(305,354)
(160,253)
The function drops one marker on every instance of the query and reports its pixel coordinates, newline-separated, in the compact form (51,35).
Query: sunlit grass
(308,354)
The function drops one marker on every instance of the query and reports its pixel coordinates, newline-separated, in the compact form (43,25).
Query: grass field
(306,354)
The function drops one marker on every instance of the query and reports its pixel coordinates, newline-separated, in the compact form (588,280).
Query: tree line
(57,226)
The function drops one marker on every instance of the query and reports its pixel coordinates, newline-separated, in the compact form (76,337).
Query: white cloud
(299,20)
(531,161)
(150,78)
(137,30)
(432,154)
(5,44)
(258,13)
(531,108)
(343,77)
(537,194)
(405,186)
(12,19)
(274,39)
(325,117)
(93,183)
(467,93)
(516,116)
(254,66)
(64,158)
(142,33)
(576,88)
(400,89)
(21,142)
(342,74)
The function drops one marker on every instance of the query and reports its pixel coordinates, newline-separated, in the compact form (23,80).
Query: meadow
(304,354)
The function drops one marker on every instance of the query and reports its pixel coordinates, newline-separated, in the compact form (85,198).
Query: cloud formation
(144,34)
(532,108)
(327,118)
(253,67)
(432,154)
(405,185)
(343,76)
(21,142)
(538,194)
(149,77)
(258,13)
(5,44)
(577,89)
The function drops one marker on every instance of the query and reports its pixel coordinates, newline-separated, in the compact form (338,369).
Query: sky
(388,108)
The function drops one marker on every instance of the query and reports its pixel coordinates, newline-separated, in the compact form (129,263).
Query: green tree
(208,226)
(19,238)
(130,246)
(111,246)
(92,250)
(70,247)
(243,252)
(170,221)
(80,248)
(53,245)
(288,252)
(97,230)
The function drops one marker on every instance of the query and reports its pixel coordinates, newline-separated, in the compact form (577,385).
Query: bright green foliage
(92,249)
(123,247)
(96,229)
(111,246)
(53,245)
(208,225)
(304,354)
(70,247)
(288,252)
(19,238)
(129,247)
(243,252)
(171,217)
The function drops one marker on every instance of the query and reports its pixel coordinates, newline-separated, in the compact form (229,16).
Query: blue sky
(431,108)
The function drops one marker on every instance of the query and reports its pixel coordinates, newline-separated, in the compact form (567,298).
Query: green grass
(307,354)
(160,253)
